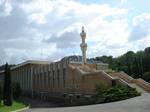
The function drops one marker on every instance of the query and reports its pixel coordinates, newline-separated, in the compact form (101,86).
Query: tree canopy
(135,64)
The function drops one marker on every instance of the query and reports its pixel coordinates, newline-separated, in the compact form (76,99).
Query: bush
(100,87)
(146,76)
(116,93)
(16,90)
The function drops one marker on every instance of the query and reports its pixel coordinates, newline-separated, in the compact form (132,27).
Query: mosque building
(71,77)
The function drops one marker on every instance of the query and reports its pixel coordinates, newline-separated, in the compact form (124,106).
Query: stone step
(139,89)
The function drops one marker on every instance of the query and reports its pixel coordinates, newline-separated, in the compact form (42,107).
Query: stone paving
(137,104)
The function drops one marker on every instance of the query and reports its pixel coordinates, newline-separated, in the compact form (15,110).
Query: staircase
(138,88)
(140,85)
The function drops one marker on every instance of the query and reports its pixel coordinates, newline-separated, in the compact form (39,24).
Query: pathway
(137,104)
(35,103)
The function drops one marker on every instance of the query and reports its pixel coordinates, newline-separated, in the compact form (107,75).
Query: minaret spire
(83,46)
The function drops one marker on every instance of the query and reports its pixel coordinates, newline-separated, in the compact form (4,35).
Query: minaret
(83,46)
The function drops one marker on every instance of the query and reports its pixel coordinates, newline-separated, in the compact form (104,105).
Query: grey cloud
(140,31)
(14,26)
(16,33)
(18,44)
(66,40)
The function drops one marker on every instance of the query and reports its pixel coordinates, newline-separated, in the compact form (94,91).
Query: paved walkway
(35,103)
(137,104)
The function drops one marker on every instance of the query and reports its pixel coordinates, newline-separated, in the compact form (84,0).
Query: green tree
(0,94)
(7,89)
(134,64)
(138,69)
(146,76)
(129,58)
(147,59)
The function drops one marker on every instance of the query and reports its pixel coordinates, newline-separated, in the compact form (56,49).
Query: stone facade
(44,79)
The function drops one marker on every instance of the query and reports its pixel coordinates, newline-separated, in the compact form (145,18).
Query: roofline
(28,62)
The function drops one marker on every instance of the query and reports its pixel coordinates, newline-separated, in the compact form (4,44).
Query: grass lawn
(16,105)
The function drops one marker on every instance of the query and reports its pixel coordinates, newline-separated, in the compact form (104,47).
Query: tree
(2,67)
(138,69)
(129,58)
(0,95)
(146,76)
(7,89)
(134,64)
(147,59)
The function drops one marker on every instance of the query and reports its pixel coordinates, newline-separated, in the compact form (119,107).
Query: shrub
(100,87)
(116,93)
(146,76)
(16,90)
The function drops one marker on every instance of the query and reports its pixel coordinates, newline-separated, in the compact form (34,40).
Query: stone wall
(83,81)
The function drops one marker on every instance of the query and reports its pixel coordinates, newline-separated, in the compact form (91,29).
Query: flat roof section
(29,62)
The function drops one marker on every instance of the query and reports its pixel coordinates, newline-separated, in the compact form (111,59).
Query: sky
(50,29)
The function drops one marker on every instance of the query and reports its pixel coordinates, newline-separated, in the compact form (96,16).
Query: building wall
(101,66)
(49,78)
(23,75)
(90,80)
(84,82)
(57,78)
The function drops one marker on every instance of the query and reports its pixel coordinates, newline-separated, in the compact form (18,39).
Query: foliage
(0,95)
(147,59)
(100,87)
(16,90)
(134,64)
(7,92)
(116,93)
(146,76)
(2,67)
